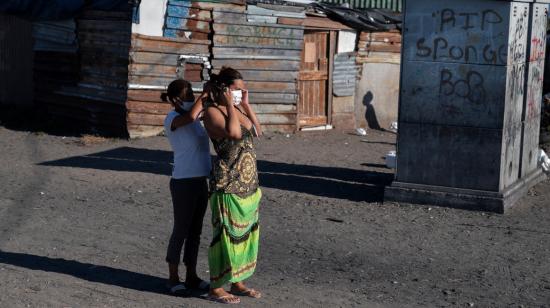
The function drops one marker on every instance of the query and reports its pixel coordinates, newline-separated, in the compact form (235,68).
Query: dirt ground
(84,222)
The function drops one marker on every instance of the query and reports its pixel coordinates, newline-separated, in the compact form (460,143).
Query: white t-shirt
(191,148)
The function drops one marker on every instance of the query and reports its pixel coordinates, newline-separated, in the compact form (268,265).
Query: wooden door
(313,79)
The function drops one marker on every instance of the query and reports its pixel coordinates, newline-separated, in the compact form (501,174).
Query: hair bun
(164,97)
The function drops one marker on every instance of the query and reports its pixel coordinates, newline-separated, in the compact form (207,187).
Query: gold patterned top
(235,171)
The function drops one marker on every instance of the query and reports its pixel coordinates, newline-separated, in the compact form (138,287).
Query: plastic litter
(315,128)
(391,159)
(361,131)
(393,126)
(544,162)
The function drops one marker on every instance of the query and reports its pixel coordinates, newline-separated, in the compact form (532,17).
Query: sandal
(226,299)
(248,293)
(178,290)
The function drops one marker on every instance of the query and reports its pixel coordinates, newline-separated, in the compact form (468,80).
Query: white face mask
(187,105)
(237,96)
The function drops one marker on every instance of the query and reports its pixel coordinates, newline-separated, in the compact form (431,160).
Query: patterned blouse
(235,171)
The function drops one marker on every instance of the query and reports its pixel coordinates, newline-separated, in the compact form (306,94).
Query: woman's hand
(245,100)
(226,99)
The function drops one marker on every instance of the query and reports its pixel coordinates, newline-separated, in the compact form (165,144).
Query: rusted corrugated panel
(16,61)
(344,75)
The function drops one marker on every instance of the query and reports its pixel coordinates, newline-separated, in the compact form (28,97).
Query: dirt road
(85,223)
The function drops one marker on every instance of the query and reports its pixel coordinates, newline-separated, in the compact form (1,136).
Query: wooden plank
(265,75)
(241,19)
(291,21)
(185,11)
(382,47)
(277,119)
(102,25)
(258,31)
(312,22)
(159,39)
(313,75)
(232,18)
(312,121)
(145,119)
(222,52)
(383,37)
(262,87)
(187,23)
(151,80)
(273,108)
(257,42)
(278,98)
(145,95)
(272,65)
(151,70)
(332,55)
(168,46)
(148,107)
(154,58)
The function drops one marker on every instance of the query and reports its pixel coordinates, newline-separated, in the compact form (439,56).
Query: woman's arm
(218,126)
(250,113)
(186,117)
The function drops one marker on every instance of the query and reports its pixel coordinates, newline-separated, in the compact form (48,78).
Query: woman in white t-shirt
(188,185)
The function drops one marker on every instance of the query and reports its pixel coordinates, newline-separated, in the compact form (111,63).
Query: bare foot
(240,289)
(221,296)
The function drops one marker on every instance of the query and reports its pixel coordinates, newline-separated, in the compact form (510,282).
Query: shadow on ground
(90,272)
(333,182)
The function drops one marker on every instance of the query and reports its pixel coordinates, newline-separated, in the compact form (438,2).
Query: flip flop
(224,299)
(248,293)
(179,289)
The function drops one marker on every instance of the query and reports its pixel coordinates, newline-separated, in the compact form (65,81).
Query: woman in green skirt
(231,124)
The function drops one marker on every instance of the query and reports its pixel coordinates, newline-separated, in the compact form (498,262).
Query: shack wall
(377,95)
(16,61)
(265,45)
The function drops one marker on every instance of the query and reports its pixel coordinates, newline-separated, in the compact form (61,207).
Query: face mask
(237,96)
(187,105)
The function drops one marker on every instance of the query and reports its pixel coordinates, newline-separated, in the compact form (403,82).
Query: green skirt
(234,249)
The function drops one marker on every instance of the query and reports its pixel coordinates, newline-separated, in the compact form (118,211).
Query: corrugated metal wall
(395,5)
(16,61)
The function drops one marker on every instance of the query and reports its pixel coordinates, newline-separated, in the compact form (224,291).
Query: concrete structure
(464,130)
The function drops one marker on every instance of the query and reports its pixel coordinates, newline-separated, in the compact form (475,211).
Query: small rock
(42,193)
(470,304)
(394,282)
(287,135)
(139,191)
